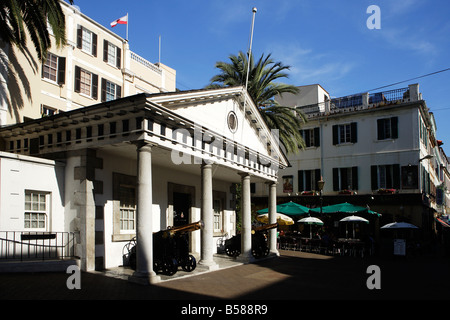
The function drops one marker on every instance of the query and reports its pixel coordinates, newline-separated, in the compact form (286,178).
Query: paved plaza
(291,276)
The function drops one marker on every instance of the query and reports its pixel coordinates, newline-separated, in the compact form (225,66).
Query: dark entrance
(181,208)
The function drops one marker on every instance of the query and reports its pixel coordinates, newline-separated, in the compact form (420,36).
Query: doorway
(181,208)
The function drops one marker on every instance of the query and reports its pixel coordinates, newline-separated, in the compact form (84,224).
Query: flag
(123,20)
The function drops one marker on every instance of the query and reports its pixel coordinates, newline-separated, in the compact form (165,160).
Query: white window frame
(84,85)
(112,54)
(344,133)
(86,40)
(111,90)
(49,68)
(126,208)
(36,203)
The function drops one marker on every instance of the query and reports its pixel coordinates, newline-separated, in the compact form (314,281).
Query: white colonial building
(372,149)
(132,166)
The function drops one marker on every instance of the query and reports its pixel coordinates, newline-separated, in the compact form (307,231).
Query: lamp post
(320,185)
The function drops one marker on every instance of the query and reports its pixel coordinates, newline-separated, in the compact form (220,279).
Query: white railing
(145,62)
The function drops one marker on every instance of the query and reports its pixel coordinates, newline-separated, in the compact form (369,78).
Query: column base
(144,278)
(245,259)
(210,265)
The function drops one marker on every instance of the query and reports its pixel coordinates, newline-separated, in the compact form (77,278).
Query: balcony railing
(22,245)
(374,98)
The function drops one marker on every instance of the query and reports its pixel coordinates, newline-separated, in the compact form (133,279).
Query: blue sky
(326,42)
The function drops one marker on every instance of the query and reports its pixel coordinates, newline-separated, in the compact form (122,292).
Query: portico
(127,159)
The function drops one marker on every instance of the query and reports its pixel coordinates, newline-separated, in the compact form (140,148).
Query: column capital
(141,144)
(244,174)
(271,183)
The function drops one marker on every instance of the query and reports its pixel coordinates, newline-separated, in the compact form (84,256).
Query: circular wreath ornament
(232,121)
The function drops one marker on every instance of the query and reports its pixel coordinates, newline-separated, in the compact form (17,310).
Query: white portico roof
(190,124)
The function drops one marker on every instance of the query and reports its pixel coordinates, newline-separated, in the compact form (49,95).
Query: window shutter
(105,50)
(355,178)
(94,86)
(374,177)
(77,78)
(380,131)
(396,176)
(394,127)
(317,137)
(79,36)
(308,180)
(61,70)
(103,90)
(118,57)
(335,134)
(118,92)
(94,44)
(307,138)
(300,181)
(335,179)
(317,178)
(354,132)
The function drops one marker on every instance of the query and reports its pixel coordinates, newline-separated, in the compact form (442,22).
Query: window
(311,137)
(385,176)
(217,215)
(36,206)
(345,178)
(53,68)
(50,68)
(48,111)
(387,128)
(307,180)
(111,54)
(127,198)
(87,41)
(110,91)
(345,133)
(86,82)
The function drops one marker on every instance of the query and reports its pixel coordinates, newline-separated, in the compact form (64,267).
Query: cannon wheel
(189,264)
(232,252)
(169,266)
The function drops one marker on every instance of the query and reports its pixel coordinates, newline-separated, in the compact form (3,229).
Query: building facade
(373,149)
(95,66)
(137,165)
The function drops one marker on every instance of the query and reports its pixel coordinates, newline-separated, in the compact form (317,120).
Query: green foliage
(262,88)
(21,16)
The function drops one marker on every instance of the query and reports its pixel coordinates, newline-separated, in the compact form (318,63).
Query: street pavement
(291,276)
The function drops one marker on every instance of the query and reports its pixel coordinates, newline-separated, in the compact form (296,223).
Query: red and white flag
(123,20)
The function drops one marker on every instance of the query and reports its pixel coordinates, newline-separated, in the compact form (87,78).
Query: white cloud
(308,66)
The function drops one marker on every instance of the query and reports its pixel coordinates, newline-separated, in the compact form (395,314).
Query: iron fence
(24,245)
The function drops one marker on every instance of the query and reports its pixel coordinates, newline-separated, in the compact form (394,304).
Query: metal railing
(374,98)
(24,245)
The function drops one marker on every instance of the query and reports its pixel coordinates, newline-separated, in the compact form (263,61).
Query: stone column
(273,217)
(144,273)
(246,228)
(206,257)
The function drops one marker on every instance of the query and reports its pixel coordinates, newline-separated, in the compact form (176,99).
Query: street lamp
(320,185)
(428,156)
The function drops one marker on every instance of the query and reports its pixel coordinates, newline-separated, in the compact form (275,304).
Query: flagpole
(250,47)
(128,22)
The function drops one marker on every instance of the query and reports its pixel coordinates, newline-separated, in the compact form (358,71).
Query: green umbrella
(343,208)
(289,208)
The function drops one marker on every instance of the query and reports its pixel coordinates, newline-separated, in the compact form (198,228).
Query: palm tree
(21,16)
(262,88)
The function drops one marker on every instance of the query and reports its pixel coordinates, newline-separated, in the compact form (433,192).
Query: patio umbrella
(399,225)
(311,221)
(289,208)
(282,219)
(341,208)
(353,219)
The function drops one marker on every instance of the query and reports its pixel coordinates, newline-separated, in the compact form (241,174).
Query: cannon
(259,242)
(171,250)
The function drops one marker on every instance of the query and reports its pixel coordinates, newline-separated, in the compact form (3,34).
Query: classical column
(273,217)
(144,220)
(206,257)
(246,227)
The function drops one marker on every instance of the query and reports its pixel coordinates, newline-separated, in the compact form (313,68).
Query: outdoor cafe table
(351,246)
